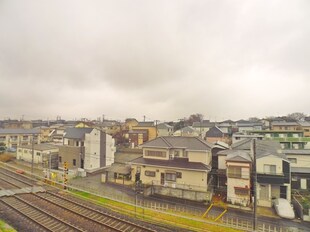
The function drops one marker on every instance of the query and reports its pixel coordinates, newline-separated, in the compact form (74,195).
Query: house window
(269,169)
(241,191)
(176,154)
(38,153)
(234,172)
(59,159)
(77,143)
(179,175)
(19,150)
(82,144)
(155,153)
(293,160)
(170,176)
(294,178)
(150,173)
(74,162)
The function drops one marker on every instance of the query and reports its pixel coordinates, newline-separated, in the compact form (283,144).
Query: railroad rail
(40,217)
(100,221)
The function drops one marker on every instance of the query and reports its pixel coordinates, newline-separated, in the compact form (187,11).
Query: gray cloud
(161,59)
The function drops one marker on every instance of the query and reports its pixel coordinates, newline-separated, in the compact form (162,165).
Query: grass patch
(5,227)
(153,216)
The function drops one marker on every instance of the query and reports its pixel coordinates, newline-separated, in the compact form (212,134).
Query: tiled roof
(164,126)
(239,156)
(214,132)
(77,133)
(190,143)
(20,131)
(180,163)
(204,124)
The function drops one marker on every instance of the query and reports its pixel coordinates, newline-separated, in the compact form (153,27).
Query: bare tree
(298,116)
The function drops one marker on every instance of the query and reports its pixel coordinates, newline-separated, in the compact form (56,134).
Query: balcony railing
(289,139)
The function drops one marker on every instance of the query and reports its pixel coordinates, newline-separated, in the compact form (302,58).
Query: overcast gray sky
(163,59)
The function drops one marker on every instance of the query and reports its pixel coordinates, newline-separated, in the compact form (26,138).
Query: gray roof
(164,126)
(214,132)
(296,152)
(239,156)
(204,124)
(145,124)
(77,133)
(189,143)
(188,129)
(263,147)
(181,163)
(300,170)
(120,157)
(40,147)
(20,131)
(284,123)
(304,124)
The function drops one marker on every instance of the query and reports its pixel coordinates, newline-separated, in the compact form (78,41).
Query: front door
(162,178)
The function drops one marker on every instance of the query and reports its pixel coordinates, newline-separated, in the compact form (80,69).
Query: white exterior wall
(26,154)
(110,150)
(222,162)
(92,150)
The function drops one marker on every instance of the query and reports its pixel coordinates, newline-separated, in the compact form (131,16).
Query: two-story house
(86,148)
(300,167)
(163,129)
(175,166)
(305,126)
(285,126)
(272,168)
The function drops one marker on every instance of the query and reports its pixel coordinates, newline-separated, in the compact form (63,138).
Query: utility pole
(32,154)
(254,184)
(144,118)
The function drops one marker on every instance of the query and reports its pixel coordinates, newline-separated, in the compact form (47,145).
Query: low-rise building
(175,166)
(12,138)
(42,154)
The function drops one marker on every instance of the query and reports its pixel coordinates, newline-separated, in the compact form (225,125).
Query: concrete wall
(181,193)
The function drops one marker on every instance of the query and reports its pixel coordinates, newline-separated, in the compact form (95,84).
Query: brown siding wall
(68,153)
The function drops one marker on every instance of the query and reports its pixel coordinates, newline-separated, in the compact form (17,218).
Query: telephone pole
(32,154)
(254,184)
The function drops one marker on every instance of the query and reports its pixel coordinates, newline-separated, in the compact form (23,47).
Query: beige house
(175,166)
(306,128)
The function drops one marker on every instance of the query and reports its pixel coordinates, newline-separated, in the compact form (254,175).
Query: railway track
(40,217)
(86,217)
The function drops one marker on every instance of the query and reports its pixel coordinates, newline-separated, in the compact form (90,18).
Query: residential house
(175,166)
(273,170)
(12,138)
(246,126)
(137,137)
(130,123)
(43,154)
(305,126)
(238,172)
(203,126)
(163,129)
(86,148)
(56,133)
(300,168)
(215,134)
(186,131)
(149,126)
(293,139)
(285,126)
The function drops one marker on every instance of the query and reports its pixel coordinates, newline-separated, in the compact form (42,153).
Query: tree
(297,116)
(2,147)
(254,119)
(195,118)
